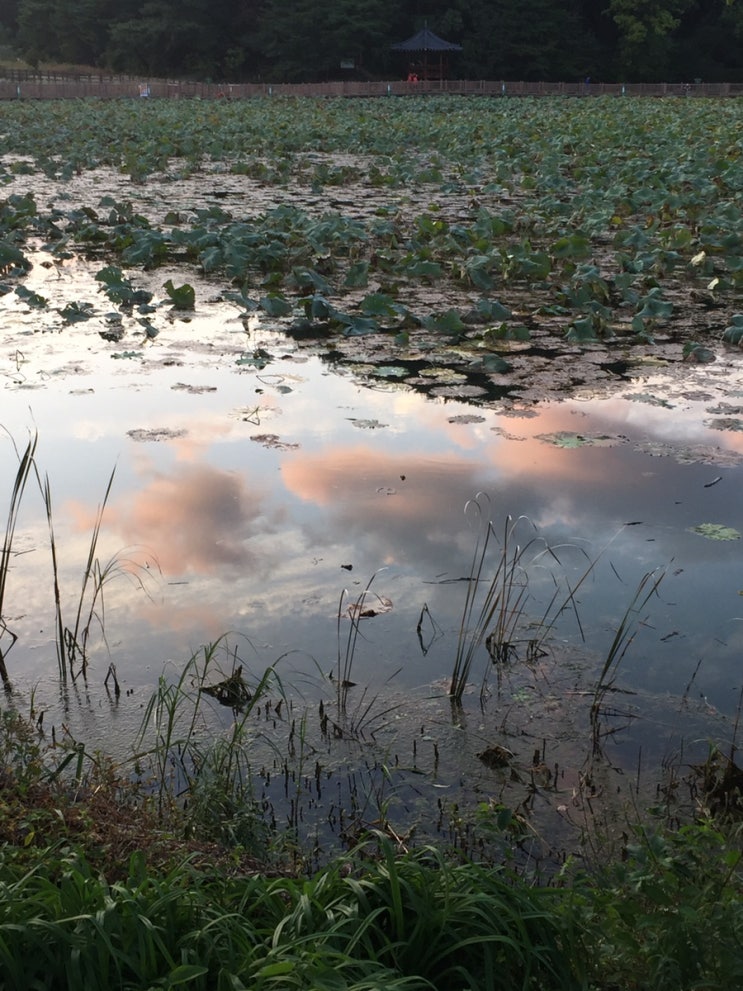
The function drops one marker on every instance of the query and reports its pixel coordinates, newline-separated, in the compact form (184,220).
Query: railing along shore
(24,84)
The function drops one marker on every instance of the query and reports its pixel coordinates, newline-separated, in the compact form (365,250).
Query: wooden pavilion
(428,55)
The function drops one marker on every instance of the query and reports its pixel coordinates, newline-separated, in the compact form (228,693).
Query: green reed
(25,465)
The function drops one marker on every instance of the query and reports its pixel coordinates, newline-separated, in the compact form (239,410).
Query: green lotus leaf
(448,322)
(715,531)
(733,334)
(275,305)
(182,297)
(75,312)
(357,276)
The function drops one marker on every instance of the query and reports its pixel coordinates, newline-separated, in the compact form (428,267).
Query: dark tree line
(307,40)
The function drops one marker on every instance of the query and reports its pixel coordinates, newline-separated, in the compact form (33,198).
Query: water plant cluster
(462,233)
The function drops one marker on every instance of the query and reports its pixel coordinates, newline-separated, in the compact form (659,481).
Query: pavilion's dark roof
(426,41)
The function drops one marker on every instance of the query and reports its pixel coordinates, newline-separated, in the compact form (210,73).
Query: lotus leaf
(275,305)
(733,334)
(31,298)
(564,438)
(449,322)
(715,531)
(505,332)
(182,297)
(75,312)
(12,258)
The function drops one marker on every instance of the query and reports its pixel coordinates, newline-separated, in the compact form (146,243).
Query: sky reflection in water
(262,495)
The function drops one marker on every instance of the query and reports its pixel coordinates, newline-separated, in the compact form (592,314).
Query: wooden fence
(28,85)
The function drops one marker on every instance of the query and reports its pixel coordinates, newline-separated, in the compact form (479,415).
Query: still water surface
(251,498)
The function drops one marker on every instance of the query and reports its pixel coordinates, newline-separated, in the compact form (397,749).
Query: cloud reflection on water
(257,539)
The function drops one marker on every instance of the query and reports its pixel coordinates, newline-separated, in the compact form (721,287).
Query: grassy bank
(102,888)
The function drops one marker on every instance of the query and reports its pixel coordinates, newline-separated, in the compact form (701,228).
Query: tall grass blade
(72,641)
(25,464)
(59,640)
(623,638)
(496,614)
(344,666)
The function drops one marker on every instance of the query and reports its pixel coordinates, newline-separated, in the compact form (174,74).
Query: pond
(318,504)
(260,502)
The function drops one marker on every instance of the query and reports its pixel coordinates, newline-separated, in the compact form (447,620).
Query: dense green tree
(296,40)
(8,21)
(307,39)
(534,40)
(171,37)
(709,42)
(69,31)
(646,28)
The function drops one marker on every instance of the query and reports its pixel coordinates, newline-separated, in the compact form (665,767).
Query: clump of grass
(356,720)
(494,609)
(669,914)
(25,465)
(497,612)
(623,638)
(667,917)
(72,639)
(413,922)
(186,759)
(354,612)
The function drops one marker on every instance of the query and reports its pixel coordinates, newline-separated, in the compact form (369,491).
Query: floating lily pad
(505,434)
(466,418)
(391,371)
(458,392)
(443,375)
(156,434)
(650,400)
(195,390)
(701,455)
(725,409)
(563,438)
(715,531)
(274,442)
(366,424)
(379,605)
(725,423)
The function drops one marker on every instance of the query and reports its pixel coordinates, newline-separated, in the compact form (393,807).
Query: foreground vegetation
(102,889)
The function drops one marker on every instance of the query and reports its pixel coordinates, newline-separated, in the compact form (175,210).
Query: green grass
(669,917)
(100,889)
(25,465)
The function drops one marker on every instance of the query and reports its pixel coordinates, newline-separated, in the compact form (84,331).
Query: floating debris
(496,757)
(274,442)
(232,692)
